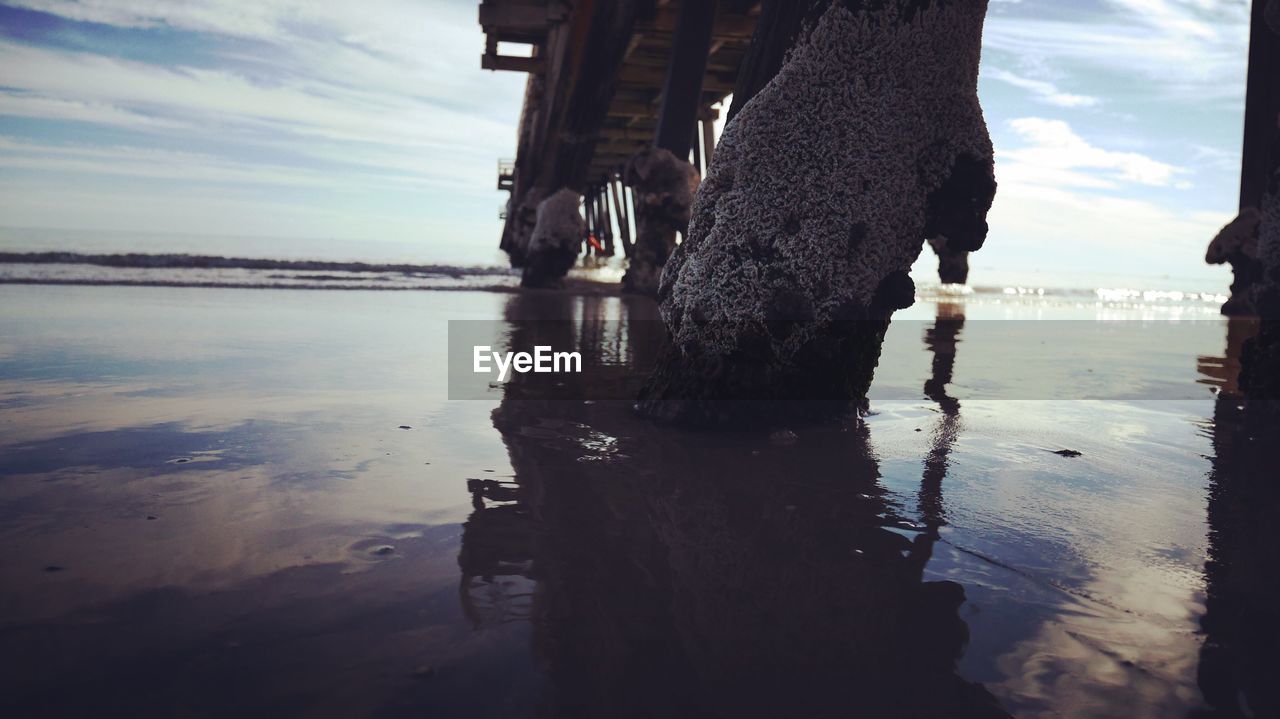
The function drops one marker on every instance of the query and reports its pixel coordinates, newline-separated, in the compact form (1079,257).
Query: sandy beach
(640,359)
(207,488)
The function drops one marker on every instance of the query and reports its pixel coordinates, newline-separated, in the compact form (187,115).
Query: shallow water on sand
(213,501)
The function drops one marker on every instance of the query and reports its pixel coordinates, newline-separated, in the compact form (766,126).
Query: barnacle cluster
(556,239)
(824,188)
(664,187)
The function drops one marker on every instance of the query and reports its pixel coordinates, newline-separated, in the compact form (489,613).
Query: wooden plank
(624,108)
(513,63)
(642,134)
(513,16)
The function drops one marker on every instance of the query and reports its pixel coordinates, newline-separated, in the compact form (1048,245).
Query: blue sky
(1116,122)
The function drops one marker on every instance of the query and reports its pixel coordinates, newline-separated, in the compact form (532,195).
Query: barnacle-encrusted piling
(664,187)
(953,265)
(555,241)
(1237,244)
(823,189)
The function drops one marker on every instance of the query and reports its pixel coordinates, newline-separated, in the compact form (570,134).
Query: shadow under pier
(1240,657)
(715,574)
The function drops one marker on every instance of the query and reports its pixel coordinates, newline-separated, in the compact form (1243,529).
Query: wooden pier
(607,80)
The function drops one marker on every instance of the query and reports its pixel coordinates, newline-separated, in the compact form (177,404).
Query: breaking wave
(188,270)
(184,270)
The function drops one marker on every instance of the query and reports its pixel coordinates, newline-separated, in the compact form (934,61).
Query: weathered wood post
(602,201)
(662,176)
(1262,102)
(695,150)
(629,202)
(620,211)
(821,193)
(709,135)
(585,44)
(1260,371)
(589,223)
(663,186)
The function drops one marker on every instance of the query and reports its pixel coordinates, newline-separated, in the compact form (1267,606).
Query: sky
(370,124)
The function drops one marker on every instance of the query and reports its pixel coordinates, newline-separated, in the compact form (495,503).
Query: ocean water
(482,259)
(475,253)
(218,500)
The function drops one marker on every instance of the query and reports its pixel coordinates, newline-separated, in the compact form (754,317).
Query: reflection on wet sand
(305,553)
(941,341)
(1240,659)
(686,573)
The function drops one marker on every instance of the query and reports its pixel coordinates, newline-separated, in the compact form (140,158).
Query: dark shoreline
(185,261)
(571,286)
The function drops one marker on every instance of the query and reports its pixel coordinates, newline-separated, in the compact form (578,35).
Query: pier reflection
(941,341)
(672,573)
(1240,658)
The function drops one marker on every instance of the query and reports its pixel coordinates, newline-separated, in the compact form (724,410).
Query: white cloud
(1042,89)
(291,103)
(1188,51)
(22,105)
(260,19)
(1217,158)
(299,106)
(150,163)
(1079,208)
(391,92)
(1056,156)
(1079,231)
(1197,20)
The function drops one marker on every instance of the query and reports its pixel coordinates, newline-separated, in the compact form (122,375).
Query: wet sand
(209,506)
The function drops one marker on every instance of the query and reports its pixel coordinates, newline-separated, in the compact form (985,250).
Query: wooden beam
(511,62)
(624,108)
(597,52)
(682,88)
(513,16)
(627,133)
(728,25)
